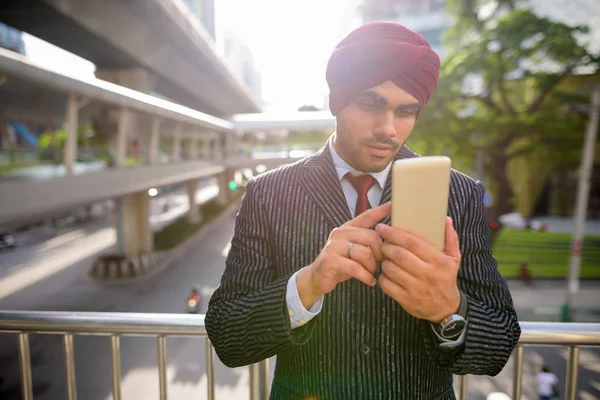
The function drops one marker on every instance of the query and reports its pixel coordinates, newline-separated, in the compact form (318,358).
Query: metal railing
(571,335)
(115,325)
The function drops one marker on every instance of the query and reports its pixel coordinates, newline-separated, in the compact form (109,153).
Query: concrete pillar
(153,149)
(194,147)
(214,146)
(137,79)
(193,214)
(230,144)
(124,126)
(3,130)
(132,217)
(134,233)
(176,150)
(70,149)
(225,194)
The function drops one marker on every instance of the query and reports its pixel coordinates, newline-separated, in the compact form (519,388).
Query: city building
(427,17)
(240,61)
(205,11)
(231,49)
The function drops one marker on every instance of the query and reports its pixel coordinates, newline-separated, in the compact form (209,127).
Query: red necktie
(362,184)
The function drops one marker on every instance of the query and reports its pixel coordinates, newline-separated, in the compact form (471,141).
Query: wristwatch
(453,325)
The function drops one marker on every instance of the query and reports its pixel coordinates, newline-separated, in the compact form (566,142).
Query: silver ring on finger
(350,246)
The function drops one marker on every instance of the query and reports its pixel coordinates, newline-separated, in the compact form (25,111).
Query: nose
(385,126)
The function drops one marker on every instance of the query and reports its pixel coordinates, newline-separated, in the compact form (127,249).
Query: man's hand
(340,261)
(417,275)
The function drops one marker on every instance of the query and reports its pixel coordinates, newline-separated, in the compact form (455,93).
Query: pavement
(567,225)
(542,302)
(44,252)
(69,289)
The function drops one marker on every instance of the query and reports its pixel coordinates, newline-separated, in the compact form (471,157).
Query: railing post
(162,366)
(116,367)
(263,376)
(463,389)
(70,366)
(572,369)
(253,382)
(259,380)
(25,358)
(518,373)
(210,371)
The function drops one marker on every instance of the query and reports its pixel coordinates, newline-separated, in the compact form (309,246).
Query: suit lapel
(320,181)
(386,196)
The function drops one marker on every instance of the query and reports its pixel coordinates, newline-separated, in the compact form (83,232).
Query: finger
(356,271)
(451,244)
(404,259)
(362,236)
(370,217)
(398,274)
(364,256)
(408,241)
(392,289)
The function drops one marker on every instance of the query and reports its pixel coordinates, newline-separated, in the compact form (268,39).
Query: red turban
(376,53)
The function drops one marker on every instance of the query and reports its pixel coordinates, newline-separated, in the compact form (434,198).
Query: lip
(380,150)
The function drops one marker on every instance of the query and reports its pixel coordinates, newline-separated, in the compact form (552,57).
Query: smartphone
(420,189)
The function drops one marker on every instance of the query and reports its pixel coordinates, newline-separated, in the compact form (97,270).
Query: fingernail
(379,228)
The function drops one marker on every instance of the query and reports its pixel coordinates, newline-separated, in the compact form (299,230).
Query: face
(373,128)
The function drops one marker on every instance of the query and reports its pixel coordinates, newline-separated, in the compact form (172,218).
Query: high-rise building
(240,61)
(430,18)
(11,39)
(427,17)
(205,11)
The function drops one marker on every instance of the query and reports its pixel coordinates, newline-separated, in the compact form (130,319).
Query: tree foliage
(504,90)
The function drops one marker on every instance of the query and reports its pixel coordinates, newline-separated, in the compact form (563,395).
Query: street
(69,289)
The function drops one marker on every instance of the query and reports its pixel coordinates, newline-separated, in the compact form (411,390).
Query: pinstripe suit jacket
(362,345)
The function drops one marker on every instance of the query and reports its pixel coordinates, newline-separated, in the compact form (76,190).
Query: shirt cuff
(299,316)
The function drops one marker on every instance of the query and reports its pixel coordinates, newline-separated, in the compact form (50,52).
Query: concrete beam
(15,64)
(301,120)
(26,199)
(155,34)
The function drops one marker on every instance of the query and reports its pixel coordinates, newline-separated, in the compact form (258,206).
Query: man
(350,311)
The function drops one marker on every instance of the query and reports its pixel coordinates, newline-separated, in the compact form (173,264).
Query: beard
(352,150)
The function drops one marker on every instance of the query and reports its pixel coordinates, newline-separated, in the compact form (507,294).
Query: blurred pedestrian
(547,384)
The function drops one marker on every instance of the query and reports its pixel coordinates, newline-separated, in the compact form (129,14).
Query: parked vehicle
(7,241)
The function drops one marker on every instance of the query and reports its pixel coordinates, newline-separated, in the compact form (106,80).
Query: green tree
(503,91)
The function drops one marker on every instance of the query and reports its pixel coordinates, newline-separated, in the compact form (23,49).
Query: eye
(404,113)
(368,106)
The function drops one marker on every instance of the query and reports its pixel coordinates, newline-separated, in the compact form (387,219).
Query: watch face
(453,328)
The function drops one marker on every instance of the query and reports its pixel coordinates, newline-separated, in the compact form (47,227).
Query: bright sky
(290,41)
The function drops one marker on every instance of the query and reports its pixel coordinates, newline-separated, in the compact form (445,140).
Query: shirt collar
(342,167)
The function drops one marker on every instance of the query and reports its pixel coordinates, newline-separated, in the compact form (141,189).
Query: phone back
(420,189)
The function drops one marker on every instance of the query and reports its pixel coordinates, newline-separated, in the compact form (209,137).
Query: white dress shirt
(299,315)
